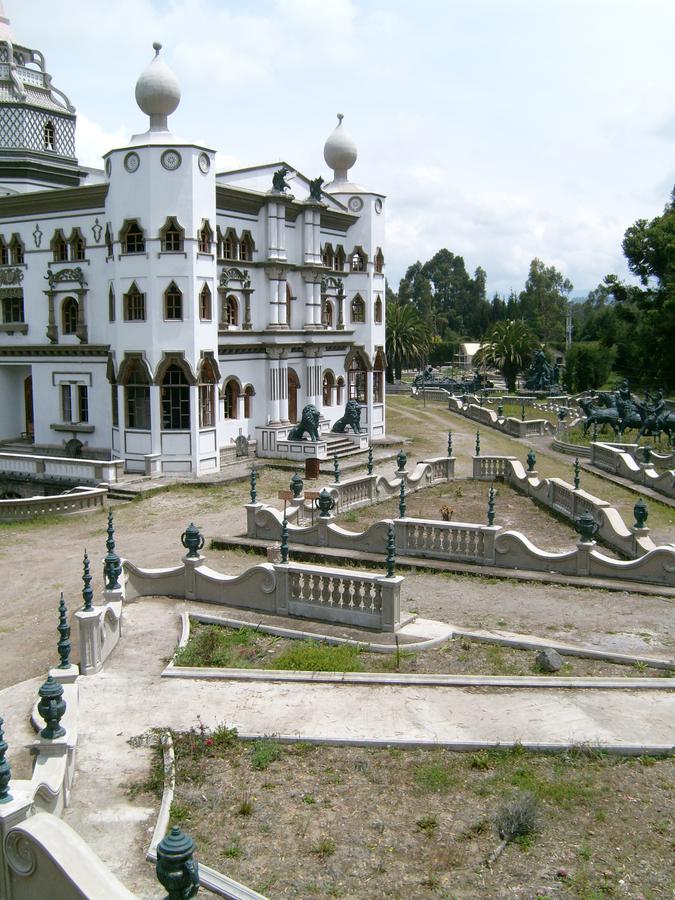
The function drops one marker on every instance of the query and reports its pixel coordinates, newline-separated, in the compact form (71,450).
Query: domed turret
(158,92)
(340,154)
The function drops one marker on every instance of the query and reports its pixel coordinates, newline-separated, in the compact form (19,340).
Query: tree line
(626,327)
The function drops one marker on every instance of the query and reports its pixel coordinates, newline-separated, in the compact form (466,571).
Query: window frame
(70,315)
(138,298)
(173,303)
(174,400)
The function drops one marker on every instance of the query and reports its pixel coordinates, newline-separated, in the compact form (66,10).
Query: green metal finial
(449,442)
(522,412)
(253,479)
(336,468)
(51,707)
(193,540)
(401,499)
(369,464)
(500,410)
(111,564)
(391,552)
(587,527)
(640,512)
(177,869)
(284,539)
(63,629)
(491,506)
(401,460)
(5,771)
(576,473)
(477,443)
(87,592)
(531,460)
(296,486)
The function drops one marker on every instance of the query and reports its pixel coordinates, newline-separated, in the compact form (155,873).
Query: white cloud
(93,141)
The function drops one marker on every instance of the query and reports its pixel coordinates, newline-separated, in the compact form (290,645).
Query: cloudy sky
(501,129)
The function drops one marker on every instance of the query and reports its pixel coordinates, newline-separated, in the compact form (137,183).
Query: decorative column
(273,354)
(313,376)
(340,307)
(276,226)
(313,301)
(283,388)
(247,290)
(52,330)
(312,234)
(82,328)
(281,300)
(277,303)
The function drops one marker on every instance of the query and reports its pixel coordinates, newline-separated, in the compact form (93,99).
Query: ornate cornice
(40,350)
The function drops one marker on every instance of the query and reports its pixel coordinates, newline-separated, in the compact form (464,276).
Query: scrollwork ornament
(20,854)
(11,276)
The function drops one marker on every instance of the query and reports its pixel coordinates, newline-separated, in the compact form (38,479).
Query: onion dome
(340,152)
(158,92)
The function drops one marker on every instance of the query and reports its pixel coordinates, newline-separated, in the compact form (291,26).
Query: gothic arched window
(69,314)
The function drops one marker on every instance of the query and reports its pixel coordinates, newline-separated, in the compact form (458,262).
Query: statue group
(311,419)
(428,378)
(542,376)
(622,412)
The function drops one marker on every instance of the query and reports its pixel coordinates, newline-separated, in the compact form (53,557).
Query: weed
(324,848)
(585,853)
(304,748)
(480,760)
(640,666)
(351,516)
(431,881)
(245,807)
(233,849)
(265,751)
(428,824)
(474,830)
(308,799)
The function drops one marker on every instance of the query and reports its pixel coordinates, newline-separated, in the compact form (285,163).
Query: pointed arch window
(207,392)
(249,393)
(230,245)
(4,253)
(204,238)
(246,247)
(171,236)
(205,305)
(339,258)
(108,240)
(230,398)
(175,400)
(328,385)
(358,310)
(137,397)
(173,303)
(379,260)
(78,245)
(328,314)
(111,304)
(49,136)
(69,315)
(134,304)
(230,311)
(132,238)
(327,256)
(378,378)
(357,381)
(378,310)
(358,260)
(59,246)
(16,250)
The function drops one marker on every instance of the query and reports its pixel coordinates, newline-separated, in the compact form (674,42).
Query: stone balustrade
(289,589)
(482,545)
(85,471)
(620,460)
(100,629)
(75,500)
(509,425)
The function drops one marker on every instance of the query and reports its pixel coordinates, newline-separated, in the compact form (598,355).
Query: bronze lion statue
(351,419)
(308,424)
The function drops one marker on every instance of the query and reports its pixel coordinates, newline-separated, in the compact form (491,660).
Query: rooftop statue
(279,182)
(315,189)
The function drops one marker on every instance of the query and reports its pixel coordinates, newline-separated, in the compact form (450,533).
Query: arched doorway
(28,406)
(293,386)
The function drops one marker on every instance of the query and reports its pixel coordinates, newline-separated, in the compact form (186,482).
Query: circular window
(171,159)
(355,204)
(132,161)
(108,167)
(378,206)
(204,163)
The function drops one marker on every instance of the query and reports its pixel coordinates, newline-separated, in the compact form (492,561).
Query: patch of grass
(308,799)
(212,645)
(201,742)
(264,752)
(245,805)
(480,760)
(434,777)
(317,657)
(324,847)
(179,812)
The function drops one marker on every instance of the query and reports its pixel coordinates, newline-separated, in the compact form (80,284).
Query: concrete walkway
(129,698)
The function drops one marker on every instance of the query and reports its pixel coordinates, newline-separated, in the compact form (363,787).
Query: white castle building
(158,310)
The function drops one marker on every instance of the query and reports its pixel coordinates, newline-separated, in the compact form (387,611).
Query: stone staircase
(341,445)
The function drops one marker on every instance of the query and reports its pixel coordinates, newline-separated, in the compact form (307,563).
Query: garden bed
(217,646)
(300,820)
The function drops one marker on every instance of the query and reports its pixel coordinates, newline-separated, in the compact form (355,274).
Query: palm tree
(508,347)
(408,338)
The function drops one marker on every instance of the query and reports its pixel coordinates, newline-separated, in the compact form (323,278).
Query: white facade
(158,310)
